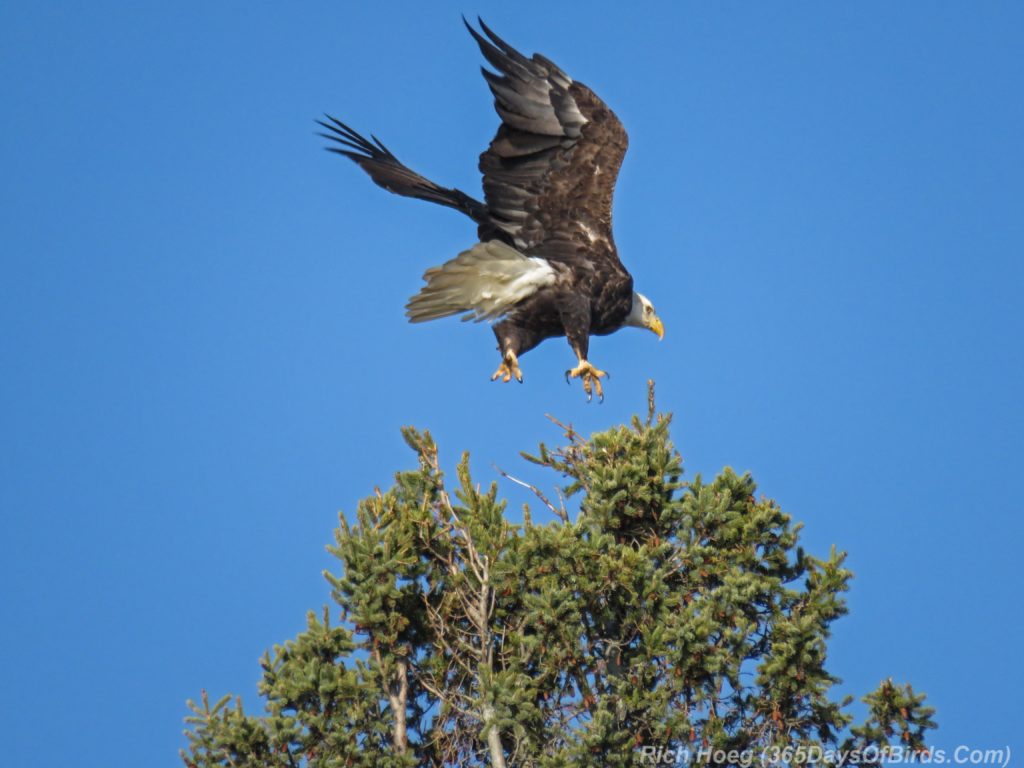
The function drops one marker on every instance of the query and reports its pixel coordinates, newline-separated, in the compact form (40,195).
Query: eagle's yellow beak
(656,325)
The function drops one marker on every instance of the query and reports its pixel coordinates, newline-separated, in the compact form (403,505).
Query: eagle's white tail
(484,282)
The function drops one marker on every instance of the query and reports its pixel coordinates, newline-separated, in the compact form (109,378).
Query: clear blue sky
(204,355)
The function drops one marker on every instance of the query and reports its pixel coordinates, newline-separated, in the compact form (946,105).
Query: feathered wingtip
(388,172)
(508,60)
(530,94)
(356,146)
(500,54)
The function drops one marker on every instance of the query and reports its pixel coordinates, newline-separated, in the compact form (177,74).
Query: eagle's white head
(642,315)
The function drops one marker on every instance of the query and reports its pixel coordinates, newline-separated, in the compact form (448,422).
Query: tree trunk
(398,692)
(493,738)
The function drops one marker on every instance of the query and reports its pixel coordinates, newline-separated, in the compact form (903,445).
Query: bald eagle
(546,264)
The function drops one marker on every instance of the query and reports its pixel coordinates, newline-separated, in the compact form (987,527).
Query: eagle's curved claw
(591,379)
(508,370)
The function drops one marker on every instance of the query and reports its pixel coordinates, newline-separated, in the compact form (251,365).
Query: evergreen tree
(658,616)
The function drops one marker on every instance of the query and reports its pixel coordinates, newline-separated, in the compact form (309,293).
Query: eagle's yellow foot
(591,379)
(508,369)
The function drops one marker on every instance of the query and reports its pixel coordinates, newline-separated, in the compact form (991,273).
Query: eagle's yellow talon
(508,370)
(591,377)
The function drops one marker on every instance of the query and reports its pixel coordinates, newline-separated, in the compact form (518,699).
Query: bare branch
(558,512)
(650,402)
(570,433)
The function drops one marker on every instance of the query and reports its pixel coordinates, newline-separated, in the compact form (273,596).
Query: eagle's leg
(509,368)
(591,378)
(513,340)
(575,315)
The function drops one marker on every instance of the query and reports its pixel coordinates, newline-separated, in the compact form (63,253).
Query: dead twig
(650,402)
(559,512)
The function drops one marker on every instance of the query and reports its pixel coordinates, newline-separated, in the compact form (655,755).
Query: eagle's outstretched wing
(550,172)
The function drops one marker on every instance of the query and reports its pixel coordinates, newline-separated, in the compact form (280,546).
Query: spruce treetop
(648,613)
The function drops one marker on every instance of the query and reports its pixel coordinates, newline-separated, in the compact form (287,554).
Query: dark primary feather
(388,172)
